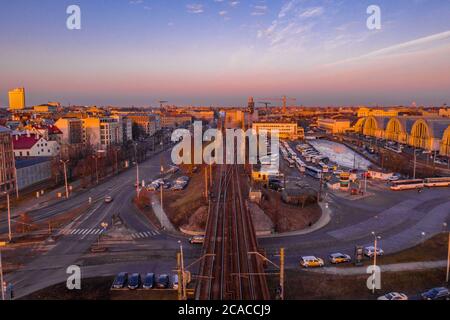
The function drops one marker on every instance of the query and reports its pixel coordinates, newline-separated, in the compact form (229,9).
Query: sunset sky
(219,52)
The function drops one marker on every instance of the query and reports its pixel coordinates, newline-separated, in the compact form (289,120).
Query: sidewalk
(323,221)
(161,215)
(400,267)
(49,197)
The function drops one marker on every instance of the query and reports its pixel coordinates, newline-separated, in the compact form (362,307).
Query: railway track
(229,270)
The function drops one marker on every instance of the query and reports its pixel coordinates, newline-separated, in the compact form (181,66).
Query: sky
(219,52)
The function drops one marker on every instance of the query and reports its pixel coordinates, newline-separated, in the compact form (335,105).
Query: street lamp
(9,215)
(65,176)
(415,163)
(137,170)
(375,254)
(448,254)
(2,244)
(183,275)
(96,167)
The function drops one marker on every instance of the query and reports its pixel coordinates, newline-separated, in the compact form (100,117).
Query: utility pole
(375,254)
(96,168)
(282,273)
(162,187)
(65,176)
(210,175)
(183,275)
(8,204)
(415,164)
(206,182)
(180,290)
(137,170)
(1,276)
(16,184)
(448,259)
(320,188)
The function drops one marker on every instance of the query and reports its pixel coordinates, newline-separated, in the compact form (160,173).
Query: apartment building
(149,123)
(101,132)
(286,130)
(7,167)
(169,120)
(72,130)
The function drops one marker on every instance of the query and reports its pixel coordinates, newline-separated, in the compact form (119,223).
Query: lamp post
(137,170)
(65,176)
(183,275)
(2,244)
(96,168)
(448,254)
(375,254)
(8,204)
(415,163)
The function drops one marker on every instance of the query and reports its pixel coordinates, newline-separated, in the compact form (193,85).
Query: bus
(437,182)
(394,148)
(291,163)
(407,185)
(313,172)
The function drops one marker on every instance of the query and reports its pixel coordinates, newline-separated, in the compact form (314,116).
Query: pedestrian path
(144,235)
(84,232)
(97,231)
(398,267)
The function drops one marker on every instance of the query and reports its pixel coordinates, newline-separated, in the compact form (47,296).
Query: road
(400,218)
(50,268)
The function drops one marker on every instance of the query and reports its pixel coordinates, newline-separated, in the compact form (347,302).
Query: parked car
(311,262)
(394,296)
(149,281)
(153,186)
(436,294)
(276,185)
(178,187)
(163,281)
(197,240)
(108,199)
(393,178)
(134,281)
(175,283)
(167,185)
(120,281)
(370,252)
(336,258)
(182,179)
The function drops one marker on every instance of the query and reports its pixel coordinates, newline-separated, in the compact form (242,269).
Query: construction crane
(161,103)
(267,104)
(283,99)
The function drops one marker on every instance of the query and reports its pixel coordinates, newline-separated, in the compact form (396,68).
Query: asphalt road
(50,268)
(398,217)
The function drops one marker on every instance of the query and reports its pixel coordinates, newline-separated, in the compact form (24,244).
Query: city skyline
(219,52)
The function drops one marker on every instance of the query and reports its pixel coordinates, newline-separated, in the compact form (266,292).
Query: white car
(394,296)
(197,240)
(108,199)
(153,186)
(394,178)
(370,252)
